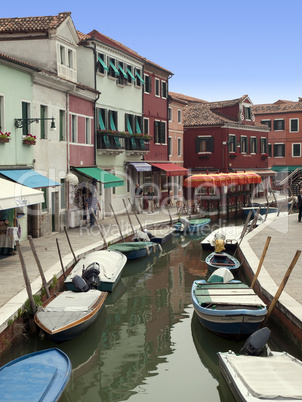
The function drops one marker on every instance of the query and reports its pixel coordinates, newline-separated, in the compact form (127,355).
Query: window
(247,112)
(88,130)
(147,84)
(129,123)
(112,117)
(146,126)
(204,144)
(44,204)
(279,150)
(253,145)
(243,144)
(296,150)
(268,123)
(179,147)
(101,66)
(25,115)
(62,55)
(102,121)
(270,150)
(129,72)
(122,78)
(73,128)
(170,116)
(138,78)
(1,113)
(113,71)
(160,132)
(63,194)
(263,145)
(62,125)
(294,125)
(164,89)
(157,87)
(279,125)
(170,148)
(70,58)
(232,143)
(43,116)
(179,117)
(138,124)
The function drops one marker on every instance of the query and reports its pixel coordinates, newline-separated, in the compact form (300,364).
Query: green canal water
(147,344)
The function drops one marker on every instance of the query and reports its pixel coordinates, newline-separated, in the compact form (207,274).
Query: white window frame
(145,91)
(179,146)
(242,137)
(290,125)
(157,82)
(170,111)
(296,156)
(88,130)
(164,94)
(254,138)
(179,116)
(145,119)
(74,125)
(270,127)
(278,143)
(278,120)
(2,125)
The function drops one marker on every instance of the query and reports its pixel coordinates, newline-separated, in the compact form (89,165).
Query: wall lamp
(19,123)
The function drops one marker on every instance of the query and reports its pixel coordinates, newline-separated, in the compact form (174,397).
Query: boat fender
(80,284)
(149,234)
(147,249)
(160,247)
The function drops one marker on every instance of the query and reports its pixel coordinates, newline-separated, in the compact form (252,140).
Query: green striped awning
(140,78)
(103,63)
(108,179)
(114,68)
(131,75)
(123,72)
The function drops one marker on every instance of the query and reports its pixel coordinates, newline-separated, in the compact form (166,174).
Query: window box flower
(4,137)
(264,156)
(29,139)
(233,155)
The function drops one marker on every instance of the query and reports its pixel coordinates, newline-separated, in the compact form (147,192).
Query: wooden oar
(118,225)
(26,278)
(261,261)
(282,285)
(129,217)
(33,249)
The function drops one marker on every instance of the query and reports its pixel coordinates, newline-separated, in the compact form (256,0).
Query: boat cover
(276,376)
(244,297)
(131,246)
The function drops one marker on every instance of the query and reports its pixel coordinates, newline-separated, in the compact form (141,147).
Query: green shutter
(128,125)
(138,129)
(211,144)
(102,63)
(101,121)
(112,124)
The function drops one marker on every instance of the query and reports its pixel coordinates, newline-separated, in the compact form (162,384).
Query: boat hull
(60,323)
(196,226)
(222,260)
(229,319)
(263,210)
(133,250)
(41,375)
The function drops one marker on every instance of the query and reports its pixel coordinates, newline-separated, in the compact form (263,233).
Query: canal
(147,344)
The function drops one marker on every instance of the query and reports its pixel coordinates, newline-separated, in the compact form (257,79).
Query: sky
(216,49)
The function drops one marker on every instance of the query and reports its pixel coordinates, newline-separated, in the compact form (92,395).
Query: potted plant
(4,137)
(233,155)
(264,156)
(29,139)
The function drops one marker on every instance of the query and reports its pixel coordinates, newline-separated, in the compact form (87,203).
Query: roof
(185,98)
(281,106)
(32,24)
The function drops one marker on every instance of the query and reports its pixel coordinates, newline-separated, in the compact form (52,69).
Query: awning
(286,168)
(222,179)
(29,178)
(171,169)
(123,72)
(131,75)
(141,166)
(139,77)
(114,68)
(13,195)
(108,179)
(103,63)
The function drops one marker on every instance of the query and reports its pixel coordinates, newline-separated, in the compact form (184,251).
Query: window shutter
(197,145)
(211,144)
(162,139)
(283,149)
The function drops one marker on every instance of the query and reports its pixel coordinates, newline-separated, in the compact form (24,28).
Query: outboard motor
(91,275)
(255,344)
(80,284)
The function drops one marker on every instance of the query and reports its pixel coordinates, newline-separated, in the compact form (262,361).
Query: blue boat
(222,260)
(227,307)
(136,249)
(38,376)
(191,226)
(262,211)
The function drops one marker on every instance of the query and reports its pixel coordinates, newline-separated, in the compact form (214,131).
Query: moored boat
(191,226)
(101,269)
(227,307)
(262,210)
(38,376)
(229,234)
(68,314)
(259,374)
(136,249)
(222,260)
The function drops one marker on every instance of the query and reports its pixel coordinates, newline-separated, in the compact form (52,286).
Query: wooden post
(253,223)
(129,218)
(141,226)
(26,278)
(169,214)
(100,229)
(33,249)
(63,270)
(282,284)
(118,225)
(75,260)
(243,231)
(261,261)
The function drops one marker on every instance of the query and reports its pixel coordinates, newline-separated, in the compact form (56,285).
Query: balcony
(114,143)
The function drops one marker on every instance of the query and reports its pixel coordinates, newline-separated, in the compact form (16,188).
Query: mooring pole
(75,260)
(129,217)
(118,225)
(33,249)
(261,261)
(26,278)
(101,231)
(63,270)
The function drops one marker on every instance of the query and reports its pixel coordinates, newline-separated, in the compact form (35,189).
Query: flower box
(4,137)
(29,139)
(29,142)
(233,155)
(264,156)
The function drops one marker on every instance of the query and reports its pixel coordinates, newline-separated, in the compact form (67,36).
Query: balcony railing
(115,142)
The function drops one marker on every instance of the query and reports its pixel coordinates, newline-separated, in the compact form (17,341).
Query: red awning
(171,169)
(222,179)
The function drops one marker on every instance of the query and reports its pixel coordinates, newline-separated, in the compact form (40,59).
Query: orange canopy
(221,179)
